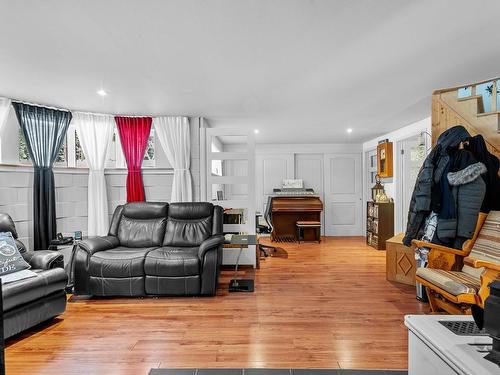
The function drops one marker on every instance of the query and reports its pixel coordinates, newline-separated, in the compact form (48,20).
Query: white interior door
(309,168)
(412,155)
(343,195)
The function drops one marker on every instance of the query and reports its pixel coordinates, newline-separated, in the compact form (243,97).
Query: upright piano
(286,210)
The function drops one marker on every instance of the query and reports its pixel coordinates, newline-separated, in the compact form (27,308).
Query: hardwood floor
(322,305)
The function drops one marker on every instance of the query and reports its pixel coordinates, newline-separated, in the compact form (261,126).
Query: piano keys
(287,210)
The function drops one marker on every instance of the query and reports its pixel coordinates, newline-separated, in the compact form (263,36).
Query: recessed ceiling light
(102,92)
(349,130)
(256,131)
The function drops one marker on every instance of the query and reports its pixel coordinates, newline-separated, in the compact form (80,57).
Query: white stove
(434,349)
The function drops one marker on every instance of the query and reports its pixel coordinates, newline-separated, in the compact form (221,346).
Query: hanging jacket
(429,176)
(477,146)
(464,196)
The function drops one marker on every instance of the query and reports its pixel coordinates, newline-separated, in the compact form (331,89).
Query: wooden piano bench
(303,225)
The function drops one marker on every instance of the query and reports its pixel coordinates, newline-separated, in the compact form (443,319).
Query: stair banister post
(494,97)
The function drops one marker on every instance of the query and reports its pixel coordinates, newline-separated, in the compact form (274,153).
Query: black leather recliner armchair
(153,249)
(29,302)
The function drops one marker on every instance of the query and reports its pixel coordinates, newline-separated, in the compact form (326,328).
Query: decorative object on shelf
(379,224)
(384,159)
(383,198)
(377,189)
(220,195)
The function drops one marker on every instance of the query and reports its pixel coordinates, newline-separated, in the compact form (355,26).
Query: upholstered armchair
(30,301)
(456,279)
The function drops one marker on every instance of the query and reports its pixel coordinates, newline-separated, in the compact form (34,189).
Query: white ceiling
(299,71)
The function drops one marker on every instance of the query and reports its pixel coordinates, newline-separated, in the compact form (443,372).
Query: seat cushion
(173,286)
(454,282)
(173,261)
(119,262)
(117,286)
(25,291)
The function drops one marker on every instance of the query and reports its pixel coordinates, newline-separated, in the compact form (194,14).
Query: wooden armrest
(478,263)
(433,246)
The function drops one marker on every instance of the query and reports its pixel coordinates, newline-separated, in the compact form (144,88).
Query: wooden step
(477,98)
(493,116)
(463,99)
(489,114)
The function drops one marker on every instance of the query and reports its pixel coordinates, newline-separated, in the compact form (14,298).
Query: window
(116,159)
(71,153)
(24,156)
(79,155)
(149,156)
(62,154)
(113,149)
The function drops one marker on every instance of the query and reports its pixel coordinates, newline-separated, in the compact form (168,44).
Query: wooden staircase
(448,109)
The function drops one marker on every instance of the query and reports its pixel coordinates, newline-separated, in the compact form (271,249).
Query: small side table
(242,285)
(69,251)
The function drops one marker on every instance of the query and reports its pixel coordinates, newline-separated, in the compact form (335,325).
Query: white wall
(71,190)
(390,184)
(16,199)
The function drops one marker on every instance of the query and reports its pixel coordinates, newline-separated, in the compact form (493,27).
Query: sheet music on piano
(291,187)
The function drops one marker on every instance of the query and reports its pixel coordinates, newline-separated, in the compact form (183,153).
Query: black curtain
(44,130)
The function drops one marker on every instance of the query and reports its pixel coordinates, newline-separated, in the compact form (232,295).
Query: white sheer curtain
(173,133)
(95,132)
(4,114)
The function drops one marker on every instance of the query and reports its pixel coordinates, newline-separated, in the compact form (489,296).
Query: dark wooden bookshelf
(379,224)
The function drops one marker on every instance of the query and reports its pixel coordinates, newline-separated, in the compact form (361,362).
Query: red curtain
(134,134)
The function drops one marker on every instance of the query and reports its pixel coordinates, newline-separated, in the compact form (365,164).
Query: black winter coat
(429,176)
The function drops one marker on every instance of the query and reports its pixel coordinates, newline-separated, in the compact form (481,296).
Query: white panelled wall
(71,191)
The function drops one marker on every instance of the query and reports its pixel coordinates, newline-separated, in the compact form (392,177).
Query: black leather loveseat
(29,302)
(153,249)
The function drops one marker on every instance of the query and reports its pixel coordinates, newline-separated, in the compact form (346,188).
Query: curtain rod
(38,105)
(88,112)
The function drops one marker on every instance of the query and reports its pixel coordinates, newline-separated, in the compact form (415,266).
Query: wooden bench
(302,225)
